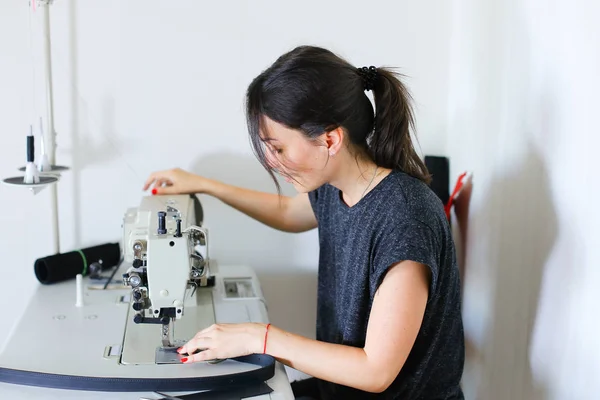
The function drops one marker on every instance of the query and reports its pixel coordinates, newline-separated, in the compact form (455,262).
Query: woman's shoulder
(411,198)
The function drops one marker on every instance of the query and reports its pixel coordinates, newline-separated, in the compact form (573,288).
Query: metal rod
(50,140)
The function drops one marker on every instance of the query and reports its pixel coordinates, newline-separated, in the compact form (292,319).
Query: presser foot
(169,355)
(167,334)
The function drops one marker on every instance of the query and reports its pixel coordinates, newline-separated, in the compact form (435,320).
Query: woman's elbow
(381,387)
(380,381)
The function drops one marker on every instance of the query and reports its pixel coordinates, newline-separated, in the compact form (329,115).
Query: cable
(110,278)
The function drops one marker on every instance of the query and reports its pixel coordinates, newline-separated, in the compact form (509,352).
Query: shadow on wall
(289,287)
(522,230)
(87,150)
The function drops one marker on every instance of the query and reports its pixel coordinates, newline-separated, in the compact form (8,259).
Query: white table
(55,336)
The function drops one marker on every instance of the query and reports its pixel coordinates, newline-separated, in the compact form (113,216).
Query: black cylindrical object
(178,231)
(63,266)
(30,149)
(162,225)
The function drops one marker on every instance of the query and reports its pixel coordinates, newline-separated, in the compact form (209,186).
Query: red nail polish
(154,191)
(184,359)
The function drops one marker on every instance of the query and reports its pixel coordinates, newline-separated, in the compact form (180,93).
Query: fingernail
(154,191)
(184,359)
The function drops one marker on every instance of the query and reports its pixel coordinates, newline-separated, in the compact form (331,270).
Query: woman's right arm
(288,214)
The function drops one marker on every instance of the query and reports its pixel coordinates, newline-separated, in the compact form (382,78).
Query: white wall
(506,89)
(147,85)
(522,114)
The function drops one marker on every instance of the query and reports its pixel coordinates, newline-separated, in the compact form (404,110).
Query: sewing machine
(119,337)
(169,277)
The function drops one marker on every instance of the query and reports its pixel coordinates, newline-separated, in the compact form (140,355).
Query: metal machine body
(168,252)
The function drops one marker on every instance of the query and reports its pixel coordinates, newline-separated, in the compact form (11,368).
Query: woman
(389,320)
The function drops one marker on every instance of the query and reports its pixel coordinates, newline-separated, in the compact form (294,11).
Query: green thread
(85,264)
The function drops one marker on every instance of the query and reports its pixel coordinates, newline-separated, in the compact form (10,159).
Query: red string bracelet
(266,334)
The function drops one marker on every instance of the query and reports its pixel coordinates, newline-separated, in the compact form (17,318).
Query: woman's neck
(356,177)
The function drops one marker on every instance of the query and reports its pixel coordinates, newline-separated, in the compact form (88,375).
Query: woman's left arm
(394,322)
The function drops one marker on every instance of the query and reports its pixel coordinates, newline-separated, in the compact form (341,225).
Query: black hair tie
(369,76)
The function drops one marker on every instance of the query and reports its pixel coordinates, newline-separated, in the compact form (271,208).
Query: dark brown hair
(314,91)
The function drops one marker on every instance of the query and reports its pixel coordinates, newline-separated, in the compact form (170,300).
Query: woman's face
(301,161)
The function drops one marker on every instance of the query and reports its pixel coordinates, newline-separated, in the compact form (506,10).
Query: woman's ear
(334,140)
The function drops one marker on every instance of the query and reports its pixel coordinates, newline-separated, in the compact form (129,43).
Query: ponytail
(390,144)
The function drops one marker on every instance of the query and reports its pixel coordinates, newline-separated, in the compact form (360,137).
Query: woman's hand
(176,181)
(223,341)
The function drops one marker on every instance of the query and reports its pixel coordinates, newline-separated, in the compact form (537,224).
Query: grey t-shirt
(399,219)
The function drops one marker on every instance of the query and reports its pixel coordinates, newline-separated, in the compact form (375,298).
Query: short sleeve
(313,196)
(316,200)
(408,240)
